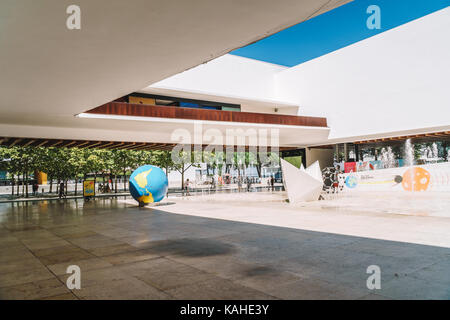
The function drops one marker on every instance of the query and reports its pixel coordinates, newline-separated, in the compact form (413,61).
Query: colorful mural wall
(429,177)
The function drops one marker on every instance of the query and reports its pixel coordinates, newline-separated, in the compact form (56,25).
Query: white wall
(261,109)
(397,80)
(228,75)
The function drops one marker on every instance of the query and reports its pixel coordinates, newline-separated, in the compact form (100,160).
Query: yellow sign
(139,100)
(88,188)
(41,178)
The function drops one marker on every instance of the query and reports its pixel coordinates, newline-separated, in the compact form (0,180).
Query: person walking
(213,183)
(272,183)
(186,187)
(61,190)
(249,184)
(35,188)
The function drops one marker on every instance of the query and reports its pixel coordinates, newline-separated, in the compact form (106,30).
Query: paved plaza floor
(249,246)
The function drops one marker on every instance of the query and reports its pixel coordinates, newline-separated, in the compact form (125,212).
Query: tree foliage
(63,164)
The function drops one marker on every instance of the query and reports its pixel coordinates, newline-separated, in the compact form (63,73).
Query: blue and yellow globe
(148,184)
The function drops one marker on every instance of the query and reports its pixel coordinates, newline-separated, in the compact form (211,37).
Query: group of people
(248,182)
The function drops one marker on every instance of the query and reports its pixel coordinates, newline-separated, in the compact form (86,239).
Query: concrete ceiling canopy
(50,73)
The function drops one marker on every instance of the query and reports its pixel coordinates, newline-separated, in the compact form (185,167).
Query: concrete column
(345,152)
(445,147)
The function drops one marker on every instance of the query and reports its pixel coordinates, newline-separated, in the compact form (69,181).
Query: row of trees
(63,164)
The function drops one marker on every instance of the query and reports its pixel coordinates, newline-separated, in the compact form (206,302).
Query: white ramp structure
(314,171)
(301,185)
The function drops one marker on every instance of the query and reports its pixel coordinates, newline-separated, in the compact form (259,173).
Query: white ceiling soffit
(49,73)
(165,131)
(381,135)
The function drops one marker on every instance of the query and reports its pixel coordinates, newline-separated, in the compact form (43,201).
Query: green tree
(50,163)
(10,162)
(185,160)
(94,163)
(164,160)
(77,165)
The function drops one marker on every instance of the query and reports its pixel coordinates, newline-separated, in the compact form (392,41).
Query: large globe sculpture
(148,184)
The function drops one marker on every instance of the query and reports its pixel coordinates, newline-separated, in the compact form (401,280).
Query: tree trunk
(23,184)
(115,183)
(51,185)
(95,180)
(258,169)
(26,183)
(124,179)
(182,178)
(18,184)
(12,185)
(76,184)
(65,186)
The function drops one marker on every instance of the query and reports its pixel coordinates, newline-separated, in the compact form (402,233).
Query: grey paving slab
(165,274)
(129,289)
(112,249)
(85,265)
(129,257)
(9,241)
(64,296)
(95,241)
(33,244)
(413,288)
(18,265)
(97,277)
(34,290)
(66,248)
(438,272)
(315,289)
(265,278)
(217,289)
(22,277)
(11,255)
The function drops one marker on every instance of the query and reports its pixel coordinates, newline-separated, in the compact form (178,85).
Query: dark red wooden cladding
(139,110)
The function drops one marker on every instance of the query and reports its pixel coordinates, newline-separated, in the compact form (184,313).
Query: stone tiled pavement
(129,253)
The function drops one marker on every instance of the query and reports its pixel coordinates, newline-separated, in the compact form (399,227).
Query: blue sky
(335,29)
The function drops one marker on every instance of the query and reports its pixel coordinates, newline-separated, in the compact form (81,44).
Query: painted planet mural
(416,179)
(351,181)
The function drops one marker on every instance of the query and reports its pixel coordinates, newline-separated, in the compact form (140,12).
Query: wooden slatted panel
(139,110)
(82,144)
